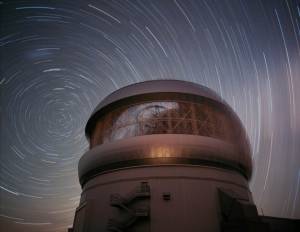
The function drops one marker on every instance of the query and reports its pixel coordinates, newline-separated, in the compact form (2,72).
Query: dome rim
(190,147)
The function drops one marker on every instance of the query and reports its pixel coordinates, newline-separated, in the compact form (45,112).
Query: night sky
(60,58)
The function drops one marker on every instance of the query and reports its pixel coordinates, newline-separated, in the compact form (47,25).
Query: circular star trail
(60,58)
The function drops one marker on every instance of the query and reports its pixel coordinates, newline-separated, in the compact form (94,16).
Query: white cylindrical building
(165,155)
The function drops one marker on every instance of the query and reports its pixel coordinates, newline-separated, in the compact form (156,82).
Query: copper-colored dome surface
(152,87)
(187,122)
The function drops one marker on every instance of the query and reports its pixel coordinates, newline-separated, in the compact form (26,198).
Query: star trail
(60,58)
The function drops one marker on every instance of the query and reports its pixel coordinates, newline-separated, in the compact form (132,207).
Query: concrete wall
(193,192)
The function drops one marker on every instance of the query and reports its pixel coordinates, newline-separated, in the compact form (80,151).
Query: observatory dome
(164,122)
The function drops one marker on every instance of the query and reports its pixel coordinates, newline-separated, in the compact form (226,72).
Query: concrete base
(158,198)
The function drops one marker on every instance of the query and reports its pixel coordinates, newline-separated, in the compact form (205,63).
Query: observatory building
(166,155)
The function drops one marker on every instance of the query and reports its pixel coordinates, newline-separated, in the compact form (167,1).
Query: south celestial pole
(60,58)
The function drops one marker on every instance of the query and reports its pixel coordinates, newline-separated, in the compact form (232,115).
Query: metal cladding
(164,122)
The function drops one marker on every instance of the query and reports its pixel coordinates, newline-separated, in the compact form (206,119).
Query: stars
(105,13)
(35,8)
(185,15)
